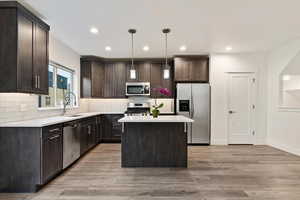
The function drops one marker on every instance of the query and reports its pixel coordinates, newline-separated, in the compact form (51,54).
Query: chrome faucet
(67,100)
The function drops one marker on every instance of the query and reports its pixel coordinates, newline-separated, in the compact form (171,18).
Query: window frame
(57,66)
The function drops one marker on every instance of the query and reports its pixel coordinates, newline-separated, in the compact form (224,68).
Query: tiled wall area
(18,107)
(120,105)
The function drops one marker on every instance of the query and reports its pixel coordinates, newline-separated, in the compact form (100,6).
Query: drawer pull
(88,130)
(54,137)
(75,126)
(54,130)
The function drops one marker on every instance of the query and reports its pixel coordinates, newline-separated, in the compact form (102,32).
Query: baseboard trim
(219,142)
(284,147)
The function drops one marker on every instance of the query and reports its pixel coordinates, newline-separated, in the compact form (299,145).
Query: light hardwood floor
(214,173)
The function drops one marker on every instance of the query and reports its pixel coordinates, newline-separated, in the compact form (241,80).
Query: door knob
(231,111)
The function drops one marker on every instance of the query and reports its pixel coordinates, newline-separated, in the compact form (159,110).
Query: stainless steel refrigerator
(193,100)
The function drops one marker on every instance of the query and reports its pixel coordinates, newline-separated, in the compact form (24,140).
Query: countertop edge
(22,124)
(157,120)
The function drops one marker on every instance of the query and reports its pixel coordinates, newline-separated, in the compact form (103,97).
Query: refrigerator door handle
(192,103)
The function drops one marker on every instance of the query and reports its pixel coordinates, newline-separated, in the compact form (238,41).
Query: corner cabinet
(24,54)
(192,69)
(111,128)
(92,79)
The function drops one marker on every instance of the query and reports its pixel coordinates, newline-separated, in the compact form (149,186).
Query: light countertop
(161,118)
(38,123)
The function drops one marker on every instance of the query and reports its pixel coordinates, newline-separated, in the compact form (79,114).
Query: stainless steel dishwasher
(71,147)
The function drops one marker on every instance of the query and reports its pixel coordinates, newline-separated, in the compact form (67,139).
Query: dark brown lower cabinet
(111,128)
(87,135)
(52,148)
(98,130)
(31,157)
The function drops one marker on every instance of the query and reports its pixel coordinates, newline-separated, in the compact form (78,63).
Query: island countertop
(161,118)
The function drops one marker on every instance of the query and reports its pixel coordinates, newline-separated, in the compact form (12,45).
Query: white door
(241,108)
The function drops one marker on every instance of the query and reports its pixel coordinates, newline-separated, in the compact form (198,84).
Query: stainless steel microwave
(137,89)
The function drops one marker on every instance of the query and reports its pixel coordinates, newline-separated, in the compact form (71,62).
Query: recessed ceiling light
(228,48)
(107,48)
(146,48)
(94,30)
(182,48)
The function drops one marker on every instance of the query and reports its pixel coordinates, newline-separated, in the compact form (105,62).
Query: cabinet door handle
(36,81)
(39,84)
(123,128)
(75,126)
(54,130)
(54,137)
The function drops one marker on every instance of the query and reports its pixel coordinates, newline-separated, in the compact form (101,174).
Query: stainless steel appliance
(71,147)
(138,108)
(138,89)
(193,100)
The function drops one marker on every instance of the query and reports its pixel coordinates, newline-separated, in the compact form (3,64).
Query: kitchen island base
(154,144)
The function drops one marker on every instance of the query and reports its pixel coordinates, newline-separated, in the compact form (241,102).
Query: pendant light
(166,73)
(132,68)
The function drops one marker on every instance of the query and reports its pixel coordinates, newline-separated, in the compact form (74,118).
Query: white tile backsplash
(120,105)
(18,107)
(107,105)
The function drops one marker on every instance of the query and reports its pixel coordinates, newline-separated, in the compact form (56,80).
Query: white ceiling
(202,25)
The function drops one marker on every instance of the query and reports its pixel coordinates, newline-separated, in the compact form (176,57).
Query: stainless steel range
(138,108)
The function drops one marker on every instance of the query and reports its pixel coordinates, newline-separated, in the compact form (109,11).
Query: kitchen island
(154,142)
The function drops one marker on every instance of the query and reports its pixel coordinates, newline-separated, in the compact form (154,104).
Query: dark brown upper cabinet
(192,69)
(100,79)
(24,54)
(142,72)
(158,81)
(92,79)
(106,78)
(115,79)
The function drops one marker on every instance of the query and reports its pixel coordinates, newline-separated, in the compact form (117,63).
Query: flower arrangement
(155,108)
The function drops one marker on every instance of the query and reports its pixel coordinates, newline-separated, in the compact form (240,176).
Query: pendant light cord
(166,31)
(132,51)
(166,50)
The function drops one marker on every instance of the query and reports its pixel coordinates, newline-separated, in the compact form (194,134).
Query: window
(60,86)
(290,84)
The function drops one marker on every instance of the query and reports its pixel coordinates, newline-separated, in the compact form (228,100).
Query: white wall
(15,107)
(221,65)
(283,124)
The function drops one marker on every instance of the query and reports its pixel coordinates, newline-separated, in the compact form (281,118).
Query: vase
(155,113)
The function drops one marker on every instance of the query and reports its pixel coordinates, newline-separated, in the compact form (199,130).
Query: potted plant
(155,108)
